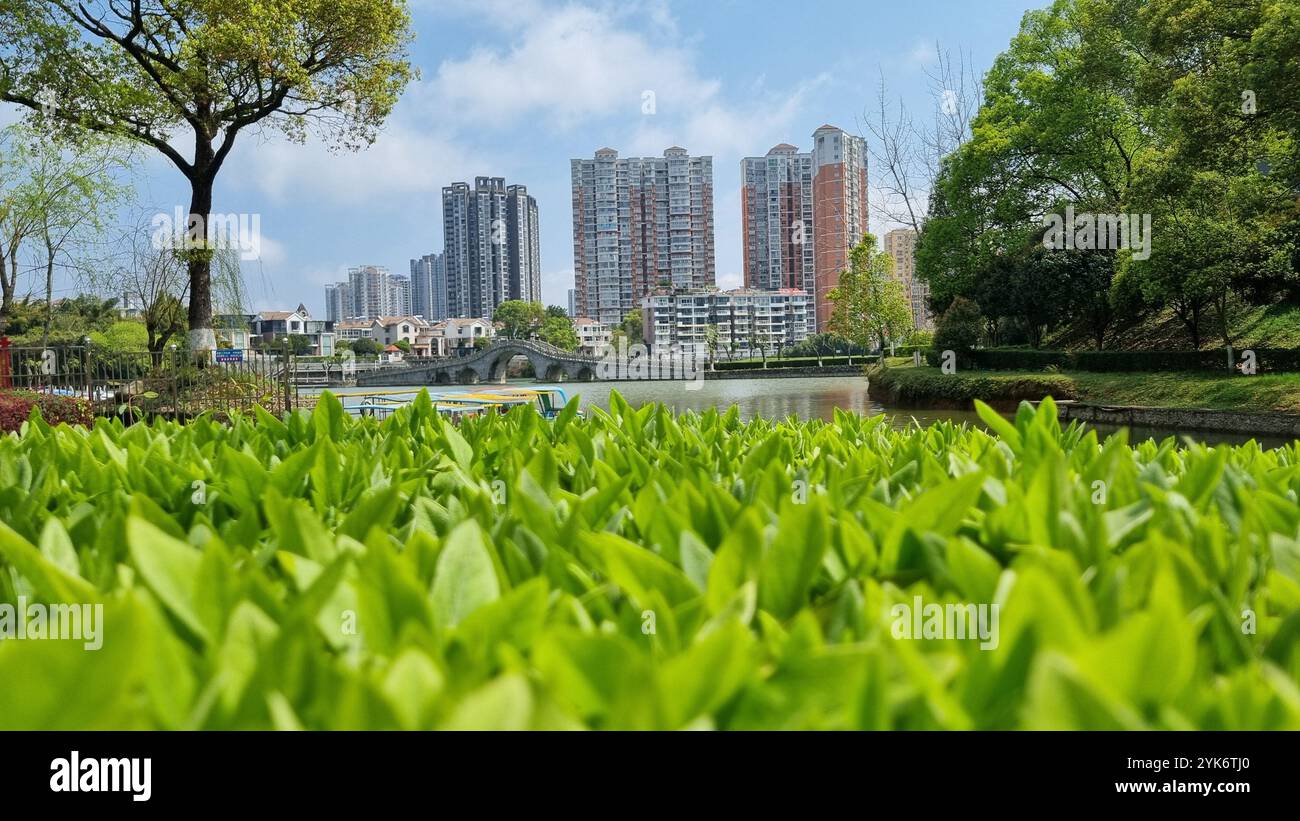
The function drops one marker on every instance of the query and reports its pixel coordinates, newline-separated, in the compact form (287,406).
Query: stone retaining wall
(1244,422)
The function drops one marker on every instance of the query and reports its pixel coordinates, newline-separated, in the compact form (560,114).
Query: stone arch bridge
(550,364)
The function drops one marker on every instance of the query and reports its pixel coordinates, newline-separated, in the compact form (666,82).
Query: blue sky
(516,88)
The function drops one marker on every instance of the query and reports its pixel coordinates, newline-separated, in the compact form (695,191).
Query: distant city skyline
(517,88)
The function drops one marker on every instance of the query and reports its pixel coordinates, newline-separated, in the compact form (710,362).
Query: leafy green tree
(558,331)
(142,70)
(632,327)
(122,337)
(89,311)
(365,346)
(519,319)
(959,327)
(557,311)
(711,343)
(870,304)
(1183,110)
(299,345)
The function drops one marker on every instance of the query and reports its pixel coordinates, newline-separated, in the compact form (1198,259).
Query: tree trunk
(6,294)
(201,336)
(49,288)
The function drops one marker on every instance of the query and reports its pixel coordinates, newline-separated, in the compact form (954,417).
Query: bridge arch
(489,364)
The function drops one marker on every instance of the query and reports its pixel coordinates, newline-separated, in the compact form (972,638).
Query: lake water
(780,398)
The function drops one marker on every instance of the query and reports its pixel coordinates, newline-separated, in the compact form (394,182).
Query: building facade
(777,221)
(370,291)
(801,215)
(750,322)
(267,327)
(839,169)
(491,246)
(338,301)
(593,336)
(638,224)
(429,287)
(900,244)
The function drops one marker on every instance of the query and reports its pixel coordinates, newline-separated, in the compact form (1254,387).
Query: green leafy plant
(640,569)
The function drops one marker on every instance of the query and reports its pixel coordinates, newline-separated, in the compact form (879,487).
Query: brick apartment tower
(839,172)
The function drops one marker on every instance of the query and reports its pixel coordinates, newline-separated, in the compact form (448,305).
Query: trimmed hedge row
(1267,360)
(918,387)
(800,362)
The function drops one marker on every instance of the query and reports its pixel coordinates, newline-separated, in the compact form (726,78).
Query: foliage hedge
(800,362)
(930,387)
(1268,360)
(636,569)
(16,407)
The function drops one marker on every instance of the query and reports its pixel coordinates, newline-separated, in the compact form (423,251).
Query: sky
(518,88)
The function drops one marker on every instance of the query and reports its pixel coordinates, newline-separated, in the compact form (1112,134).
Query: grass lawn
(1277,392)
(1271,392)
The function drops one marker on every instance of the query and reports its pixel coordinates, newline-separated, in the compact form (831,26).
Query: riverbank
(928,387)
(803,372)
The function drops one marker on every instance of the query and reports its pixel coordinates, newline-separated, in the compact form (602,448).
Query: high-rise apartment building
(639,223)
(801,214)
(776,209)
(523,238)
(573,303)
(369,292)
(900,244)
(429,287)
(839,168)
(338,301)
(491,246)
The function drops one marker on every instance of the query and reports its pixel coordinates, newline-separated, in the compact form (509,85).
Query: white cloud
(567,67)
(401,161)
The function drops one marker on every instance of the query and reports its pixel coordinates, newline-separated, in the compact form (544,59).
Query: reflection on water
(804,398)
(774,399)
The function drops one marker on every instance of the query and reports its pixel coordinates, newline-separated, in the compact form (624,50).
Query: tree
(56,197)
(557,311)
(90,311)
(298,344)
(958,328)
(121,337)
(632,328)
(870,304)
(519,319)
(403,345)
(155,279)
(365,346)
(711,342)
(558,331)
(142,69)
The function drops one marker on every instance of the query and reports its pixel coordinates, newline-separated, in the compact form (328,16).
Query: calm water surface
(804,398)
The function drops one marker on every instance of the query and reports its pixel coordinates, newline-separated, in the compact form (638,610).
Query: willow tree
(150,70)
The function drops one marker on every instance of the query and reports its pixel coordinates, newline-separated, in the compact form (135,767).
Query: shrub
(960,326)
(16,408)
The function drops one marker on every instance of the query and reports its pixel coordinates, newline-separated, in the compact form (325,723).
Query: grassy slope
(1270,326)
(1280,392)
